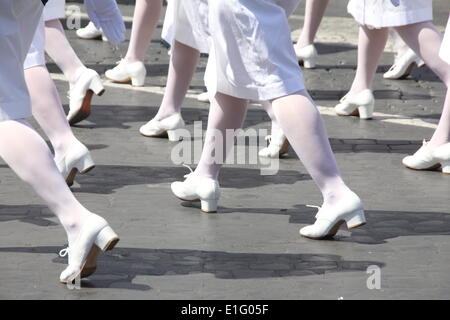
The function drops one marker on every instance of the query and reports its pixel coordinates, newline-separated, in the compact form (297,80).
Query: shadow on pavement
(118,268)
(34,214)
(381,225)
(105,179)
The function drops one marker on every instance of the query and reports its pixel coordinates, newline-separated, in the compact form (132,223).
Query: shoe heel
(96,86)
(309,63)
(106,239)
(174,135)
(366,112)
(355,219)
(138,81)
(445,167)
(85,164)
(420,63)
(209,206)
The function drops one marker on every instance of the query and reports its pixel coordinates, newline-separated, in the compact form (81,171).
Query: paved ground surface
(251,248)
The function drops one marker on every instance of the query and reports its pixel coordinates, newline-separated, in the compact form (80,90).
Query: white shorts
(36,54)
(251,52)
(390,13)
(18,21)
(54,9)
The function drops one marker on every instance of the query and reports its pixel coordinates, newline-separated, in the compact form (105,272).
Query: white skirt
(390,13)
(444,53)
(186,21)
(167,29)
(54,9)
(251,52)
(36,54)
(18,21)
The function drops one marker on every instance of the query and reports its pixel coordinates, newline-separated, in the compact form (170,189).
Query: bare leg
(181,70)
(28,155)
(314,11)
(426,40)
(47,110)
(146,15)
(59,49)
(371,44)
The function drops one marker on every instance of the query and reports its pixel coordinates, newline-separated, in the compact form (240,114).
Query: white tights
(181,70)
(59,49)
(300,121)
(314,11)
(146,16)
(28,155)
(47,110)
(426,41)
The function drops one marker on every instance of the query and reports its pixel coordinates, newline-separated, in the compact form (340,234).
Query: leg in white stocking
(28,155)
(47,110)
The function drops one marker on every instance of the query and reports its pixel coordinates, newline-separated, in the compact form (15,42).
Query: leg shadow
(381,225)
(119,268)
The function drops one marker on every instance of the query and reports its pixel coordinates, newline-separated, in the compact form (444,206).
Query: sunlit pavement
(251,248)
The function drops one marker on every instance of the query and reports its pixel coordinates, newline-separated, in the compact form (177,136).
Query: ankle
(335,195)
(73,76)
(165,113)
(357,89)
(437,142)
(75,222)
(303,42)
(132,59)
(203,175)
(61,147)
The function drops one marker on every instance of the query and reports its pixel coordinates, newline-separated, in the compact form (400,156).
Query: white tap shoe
(430,159)
(203,97)
(128,72)
(90,32)
(95,235)
(307,55)
(77,159)
(361,104)
(350,211)
(81,93)
(278,145)
(194,189)
(404,65)
(166,127)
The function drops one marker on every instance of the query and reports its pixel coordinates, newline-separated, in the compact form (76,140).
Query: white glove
(105,14)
